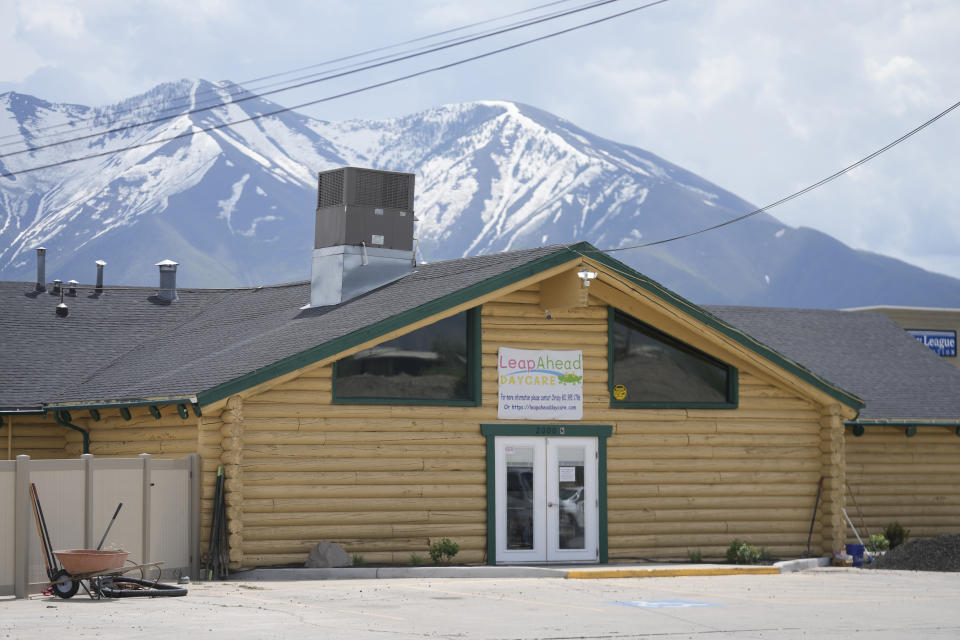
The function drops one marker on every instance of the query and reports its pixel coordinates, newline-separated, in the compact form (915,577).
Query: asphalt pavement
(814,603)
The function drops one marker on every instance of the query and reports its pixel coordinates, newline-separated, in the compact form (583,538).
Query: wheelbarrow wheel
(65,589)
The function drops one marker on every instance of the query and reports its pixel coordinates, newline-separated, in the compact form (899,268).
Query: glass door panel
(520,499)
(570,493)
(520,488)
(572,499)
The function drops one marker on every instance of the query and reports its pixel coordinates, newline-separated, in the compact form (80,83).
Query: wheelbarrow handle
(109,525)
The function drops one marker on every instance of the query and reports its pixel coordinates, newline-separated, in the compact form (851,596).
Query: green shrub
(878,542)
(896,535)
(416,558)
(357,559)
(695,557)
(444,550)
(741,552)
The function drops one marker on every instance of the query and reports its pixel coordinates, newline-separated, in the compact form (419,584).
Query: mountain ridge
(235,205)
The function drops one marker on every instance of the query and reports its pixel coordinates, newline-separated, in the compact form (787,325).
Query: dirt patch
(923,554)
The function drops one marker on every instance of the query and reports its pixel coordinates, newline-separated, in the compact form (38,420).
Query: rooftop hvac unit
(364,207)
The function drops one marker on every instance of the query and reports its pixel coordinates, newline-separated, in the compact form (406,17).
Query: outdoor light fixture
(586,275)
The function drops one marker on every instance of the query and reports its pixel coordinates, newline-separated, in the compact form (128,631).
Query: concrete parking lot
(820,603)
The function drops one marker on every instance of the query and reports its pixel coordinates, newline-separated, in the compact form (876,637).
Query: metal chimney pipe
(100,265)
(41,269)
(72,288)
(168,280)
(56,286)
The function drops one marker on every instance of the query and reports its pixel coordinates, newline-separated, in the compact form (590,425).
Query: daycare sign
(540,385)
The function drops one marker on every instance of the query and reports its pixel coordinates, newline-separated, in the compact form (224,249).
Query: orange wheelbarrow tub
(90,561)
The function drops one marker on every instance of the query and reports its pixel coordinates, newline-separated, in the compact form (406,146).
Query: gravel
(923,554)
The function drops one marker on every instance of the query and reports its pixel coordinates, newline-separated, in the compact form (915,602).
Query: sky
(761,97)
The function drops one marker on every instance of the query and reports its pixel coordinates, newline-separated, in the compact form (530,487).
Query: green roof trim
(411,316)
(704,316)
(532,268)
(120,404)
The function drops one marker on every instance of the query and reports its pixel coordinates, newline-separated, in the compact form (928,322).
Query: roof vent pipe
(41,269)
(168,280)
(56,286)
(100,265)
(72,288)
(62,309)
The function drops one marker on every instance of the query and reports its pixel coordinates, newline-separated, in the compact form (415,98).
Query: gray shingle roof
(125,345)
(863,352)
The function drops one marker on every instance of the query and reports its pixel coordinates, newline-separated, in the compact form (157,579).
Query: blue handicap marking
(663,604)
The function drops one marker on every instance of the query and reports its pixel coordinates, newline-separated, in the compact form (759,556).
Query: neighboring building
(543,405)
(935,328)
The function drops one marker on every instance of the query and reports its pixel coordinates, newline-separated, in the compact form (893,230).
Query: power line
(796,194)
(332,76)
(179,101)
(369,87)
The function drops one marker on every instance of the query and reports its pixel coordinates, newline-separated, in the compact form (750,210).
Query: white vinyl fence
(159,520)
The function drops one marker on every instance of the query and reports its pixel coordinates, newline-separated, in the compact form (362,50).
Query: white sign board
(539,385)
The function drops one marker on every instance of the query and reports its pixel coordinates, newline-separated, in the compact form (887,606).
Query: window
(438,364)
(648,368)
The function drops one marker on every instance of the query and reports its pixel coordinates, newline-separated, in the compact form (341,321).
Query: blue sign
(664,604)
(944,343)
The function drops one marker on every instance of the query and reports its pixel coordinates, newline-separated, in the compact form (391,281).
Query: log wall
(42,437)
(915,481)
(383,481)
(37,436)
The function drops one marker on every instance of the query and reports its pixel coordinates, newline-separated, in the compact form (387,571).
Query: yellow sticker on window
(619,392)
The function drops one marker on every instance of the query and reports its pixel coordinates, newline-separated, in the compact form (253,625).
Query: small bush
(741,552)
(695,557)
(444,550)
(895,534)
(416,558)
(357,559)
(878,542)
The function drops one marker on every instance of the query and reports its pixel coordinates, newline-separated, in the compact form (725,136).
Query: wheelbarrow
(103,571)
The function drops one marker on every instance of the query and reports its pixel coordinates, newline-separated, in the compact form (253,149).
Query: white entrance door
(546,499)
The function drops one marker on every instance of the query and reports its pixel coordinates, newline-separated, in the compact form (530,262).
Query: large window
(438,364)
(648,368)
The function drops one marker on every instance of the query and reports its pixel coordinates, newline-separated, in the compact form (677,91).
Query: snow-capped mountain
(234,205)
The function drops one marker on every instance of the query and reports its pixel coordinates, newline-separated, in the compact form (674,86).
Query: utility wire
(332,76)
(369,87)
(242,86)
(796,194)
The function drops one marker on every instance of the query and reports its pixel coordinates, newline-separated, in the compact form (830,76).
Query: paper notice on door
(568,474)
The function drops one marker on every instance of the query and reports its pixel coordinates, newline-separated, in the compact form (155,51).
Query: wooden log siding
(914,481)
(232,444)
(36,436)
(833,523)
(41,437)
(386,480)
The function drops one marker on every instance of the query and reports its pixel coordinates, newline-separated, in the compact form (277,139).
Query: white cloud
(52,19)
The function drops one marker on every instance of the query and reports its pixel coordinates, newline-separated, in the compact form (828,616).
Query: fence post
(21,524)
(87,500)
(145,522)
(193,464)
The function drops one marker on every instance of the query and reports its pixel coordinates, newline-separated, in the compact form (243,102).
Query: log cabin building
(535,406)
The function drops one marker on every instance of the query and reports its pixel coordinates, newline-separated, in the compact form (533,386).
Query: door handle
(551,504)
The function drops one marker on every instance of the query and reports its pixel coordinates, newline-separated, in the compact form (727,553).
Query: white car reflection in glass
(571,518)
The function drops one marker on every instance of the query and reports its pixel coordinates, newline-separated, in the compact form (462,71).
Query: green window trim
(474,373)
(600,432)
(733,376)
